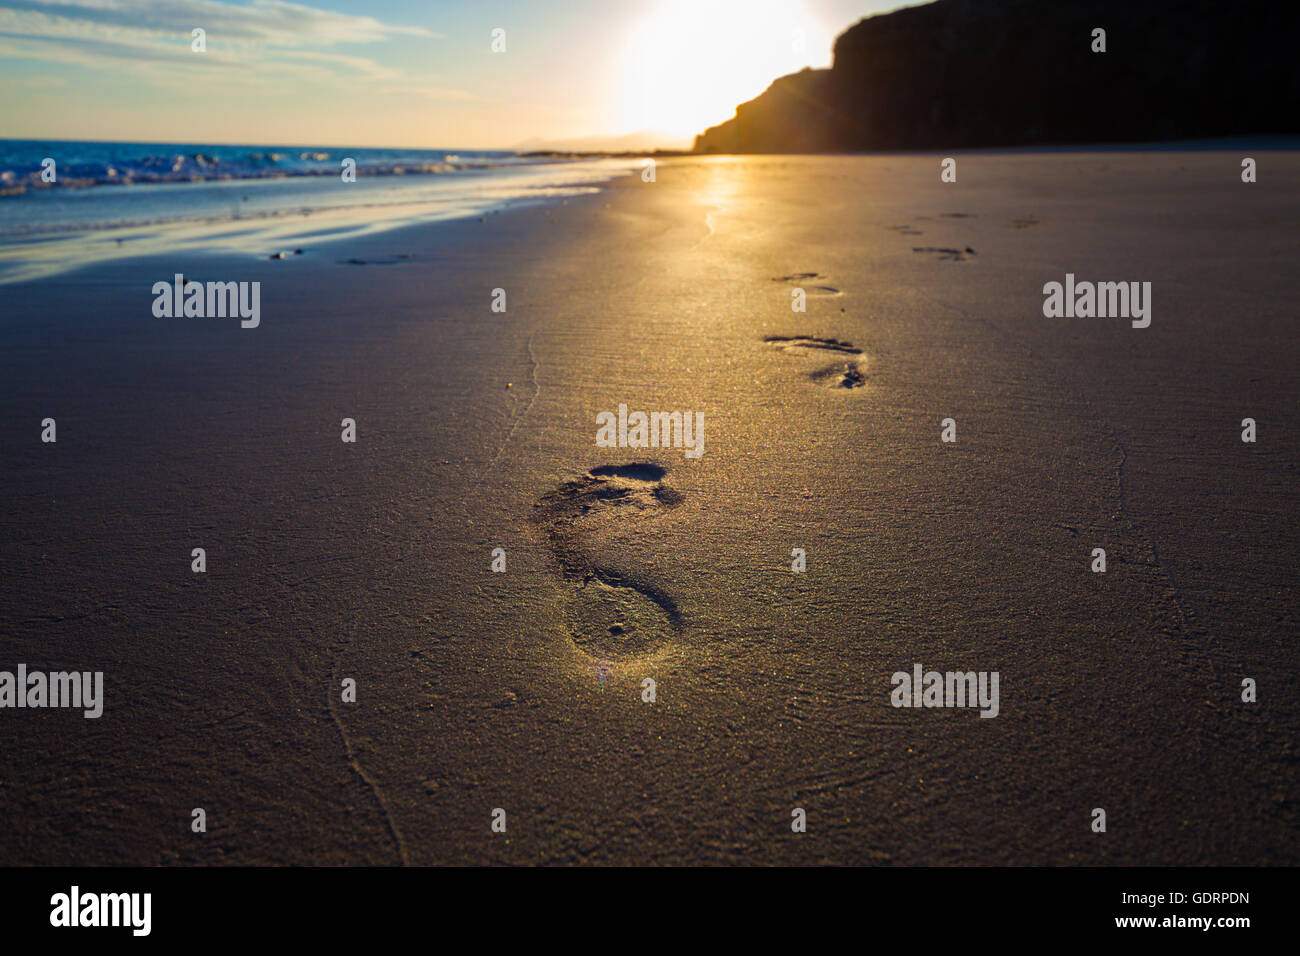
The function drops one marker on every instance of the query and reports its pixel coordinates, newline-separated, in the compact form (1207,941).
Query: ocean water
(113,200)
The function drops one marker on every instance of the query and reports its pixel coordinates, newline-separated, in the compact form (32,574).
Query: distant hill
(981,73)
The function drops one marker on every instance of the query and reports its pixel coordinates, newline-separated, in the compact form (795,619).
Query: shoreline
(285,232)
(264,216)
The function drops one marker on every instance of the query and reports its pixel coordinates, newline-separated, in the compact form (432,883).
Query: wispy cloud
(267,36)
(271,22)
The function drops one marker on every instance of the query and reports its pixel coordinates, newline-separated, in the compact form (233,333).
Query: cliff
(979,73)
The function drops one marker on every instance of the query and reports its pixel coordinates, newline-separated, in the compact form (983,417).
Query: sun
(689,64)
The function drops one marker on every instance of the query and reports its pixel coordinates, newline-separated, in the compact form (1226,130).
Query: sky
(410,73)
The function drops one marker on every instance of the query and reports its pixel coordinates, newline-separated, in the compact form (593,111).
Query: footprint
(956,215)
(848,375)
(789,342)
(906,230)
(385,261)
(614,620)
(842,375)
(610,615)
(949,255)
(1022,223)
(809,290)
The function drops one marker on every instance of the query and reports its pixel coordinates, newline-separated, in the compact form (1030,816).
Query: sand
(476,430)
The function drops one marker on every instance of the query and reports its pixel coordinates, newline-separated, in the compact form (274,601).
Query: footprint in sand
(1022,223)
(611,615)
(385,261)
(841,375)
(946,254)
(803,277)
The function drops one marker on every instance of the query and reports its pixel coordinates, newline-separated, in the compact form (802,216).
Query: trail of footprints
(611,615)
(841,375)
(850,374)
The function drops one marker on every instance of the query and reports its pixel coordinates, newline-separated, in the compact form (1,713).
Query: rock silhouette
(980,73)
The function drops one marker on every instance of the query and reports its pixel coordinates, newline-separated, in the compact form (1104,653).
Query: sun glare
(693,61)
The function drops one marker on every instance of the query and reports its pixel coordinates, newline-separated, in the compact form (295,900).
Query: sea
(64,204)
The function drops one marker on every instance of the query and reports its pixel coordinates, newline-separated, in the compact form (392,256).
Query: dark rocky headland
(983,73)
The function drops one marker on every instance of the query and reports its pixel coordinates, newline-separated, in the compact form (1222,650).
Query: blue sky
(398,72)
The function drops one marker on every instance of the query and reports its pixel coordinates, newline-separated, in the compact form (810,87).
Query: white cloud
(272,22)
(264,36)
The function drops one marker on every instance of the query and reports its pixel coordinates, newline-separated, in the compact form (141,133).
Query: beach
(523,690)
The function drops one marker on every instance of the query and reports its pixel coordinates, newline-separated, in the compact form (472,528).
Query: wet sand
(476,430)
